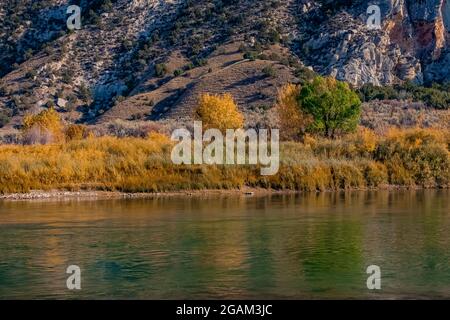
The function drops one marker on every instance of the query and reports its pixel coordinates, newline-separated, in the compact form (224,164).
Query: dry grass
(412,157)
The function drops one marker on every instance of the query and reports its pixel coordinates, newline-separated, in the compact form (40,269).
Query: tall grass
(418,157)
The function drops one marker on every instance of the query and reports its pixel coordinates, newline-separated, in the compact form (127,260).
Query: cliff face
(412,44)
(152,57)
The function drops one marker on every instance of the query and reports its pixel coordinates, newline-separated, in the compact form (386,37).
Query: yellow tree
(44,127)
(219,112)
(293,121)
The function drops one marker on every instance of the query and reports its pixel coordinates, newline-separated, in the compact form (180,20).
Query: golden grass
(410,157)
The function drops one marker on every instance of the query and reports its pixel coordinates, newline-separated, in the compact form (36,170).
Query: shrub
(4,118)
(219,112)
(375,174)
(416,156)
(85,93)
(305,75)
(160,70)
(251,55)
(3,90)
(31,74)
(365,141)
(436,96)
(76,132)
(269,71)
(178,72)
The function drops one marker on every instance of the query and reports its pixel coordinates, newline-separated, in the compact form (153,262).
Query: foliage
(5,117)
(44,127)
(85,93)
(219,112)
(160,70)
(334,107)
(436,96)
(293,122)
(269,71)
(76,132)
(416,156)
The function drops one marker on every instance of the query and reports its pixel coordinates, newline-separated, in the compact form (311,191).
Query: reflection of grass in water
(296,246)
(143,165)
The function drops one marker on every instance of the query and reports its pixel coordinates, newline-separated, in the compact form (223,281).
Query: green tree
(335,108)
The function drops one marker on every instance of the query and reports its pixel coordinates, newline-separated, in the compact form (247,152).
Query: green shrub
(269,71)
(437,96)
(160,70)
(5,118)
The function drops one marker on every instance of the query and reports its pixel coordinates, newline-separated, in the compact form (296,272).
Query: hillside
(142,60)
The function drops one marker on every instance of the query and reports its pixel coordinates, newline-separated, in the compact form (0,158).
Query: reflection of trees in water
(309,245)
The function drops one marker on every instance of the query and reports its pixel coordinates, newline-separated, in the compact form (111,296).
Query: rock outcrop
(412,43)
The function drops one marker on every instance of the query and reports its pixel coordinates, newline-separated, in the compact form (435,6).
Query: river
(305,246)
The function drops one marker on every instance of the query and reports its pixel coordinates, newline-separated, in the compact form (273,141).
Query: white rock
(61,102)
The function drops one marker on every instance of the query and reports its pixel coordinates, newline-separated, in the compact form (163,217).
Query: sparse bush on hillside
(84,93)
(31,74)
(305,75)
(5,117)
(177,73)
(160,70)
(10,138)
(271,36)
(437,96)
(119,99)
(269,71)
(67,75)
(219,112)
(3,91)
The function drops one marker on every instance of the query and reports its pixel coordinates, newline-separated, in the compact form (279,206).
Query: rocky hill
(150,59)
(412,44)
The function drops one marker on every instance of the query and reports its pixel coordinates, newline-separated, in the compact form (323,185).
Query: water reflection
(281,246)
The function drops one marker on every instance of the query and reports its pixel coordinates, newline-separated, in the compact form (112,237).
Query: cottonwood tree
(335,107)
(219,112)
(293,121)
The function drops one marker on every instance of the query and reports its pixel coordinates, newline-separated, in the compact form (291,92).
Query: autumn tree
(219,112)
(293,121)
(335,108)
(44,127)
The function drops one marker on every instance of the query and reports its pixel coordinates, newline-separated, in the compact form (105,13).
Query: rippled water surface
(283,246)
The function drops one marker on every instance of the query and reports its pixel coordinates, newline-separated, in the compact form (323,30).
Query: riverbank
(245,192)
(102,195)
(416,158)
